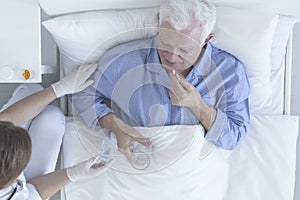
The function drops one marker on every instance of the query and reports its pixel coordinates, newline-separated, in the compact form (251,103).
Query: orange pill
(26,74)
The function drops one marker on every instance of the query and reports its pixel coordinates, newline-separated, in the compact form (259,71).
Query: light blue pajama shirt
(130,76)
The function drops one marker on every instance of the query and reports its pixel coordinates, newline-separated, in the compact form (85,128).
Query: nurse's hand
(75,81)
(86,169)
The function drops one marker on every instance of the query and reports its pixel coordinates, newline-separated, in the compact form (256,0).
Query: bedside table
(20,41)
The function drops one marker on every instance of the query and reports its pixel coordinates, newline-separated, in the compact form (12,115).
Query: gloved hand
(74,81)
(85,169)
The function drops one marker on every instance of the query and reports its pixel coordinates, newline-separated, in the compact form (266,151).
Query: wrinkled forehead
(189,36)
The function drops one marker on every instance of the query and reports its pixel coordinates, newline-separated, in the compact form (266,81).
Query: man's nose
(172,57)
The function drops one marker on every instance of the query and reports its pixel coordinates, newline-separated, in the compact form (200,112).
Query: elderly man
(176,77)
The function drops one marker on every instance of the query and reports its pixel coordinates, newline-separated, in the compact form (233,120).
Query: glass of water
(140,159)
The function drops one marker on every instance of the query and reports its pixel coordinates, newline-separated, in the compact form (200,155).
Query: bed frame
(288,76)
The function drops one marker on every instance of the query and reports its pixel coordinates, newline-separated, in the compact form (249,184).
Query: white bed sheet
(175,171)
(261,167)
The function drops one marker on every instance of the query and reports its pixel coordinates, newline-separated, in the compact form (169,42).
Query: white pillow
(84,37)
(283,30)
(248,35)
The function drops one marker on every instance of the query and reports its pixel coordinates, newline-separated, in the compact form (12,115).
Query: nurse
(31,133)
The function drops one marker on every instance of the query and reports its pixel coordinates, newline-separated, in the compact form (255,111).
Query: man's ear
(211,35)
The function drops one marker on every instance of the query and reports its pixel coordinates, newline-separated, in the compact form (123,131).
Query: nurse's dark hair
(15,151)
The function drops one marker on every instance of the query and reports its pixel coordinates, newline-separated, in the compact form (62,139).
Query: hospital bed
(263,165)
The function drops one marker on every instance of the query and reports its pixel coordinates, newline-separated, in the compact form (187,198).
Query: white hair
(181,14)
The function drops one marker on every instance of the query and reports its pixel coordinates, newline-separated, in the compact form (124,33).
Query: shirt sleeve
(233,118)
(90,103)
(32,192)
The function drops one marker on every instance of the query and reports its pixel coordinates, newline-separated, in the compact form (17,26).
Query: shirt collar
(203,64)
(153,61)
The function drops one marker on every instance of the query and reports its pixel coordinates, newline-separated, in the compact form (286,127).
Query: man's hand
(182,93)
(126,136)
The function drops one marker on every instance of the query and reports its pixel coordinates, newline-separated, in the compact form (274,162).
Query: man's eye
(164,43)
(184,51)
(187,50)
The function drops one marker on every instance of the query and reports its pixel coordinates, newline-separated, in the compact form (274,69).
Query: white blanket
(262,166)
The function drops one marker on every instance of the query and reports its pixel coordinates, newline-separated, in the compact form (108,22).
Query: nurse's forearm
(28,107)
(49,184)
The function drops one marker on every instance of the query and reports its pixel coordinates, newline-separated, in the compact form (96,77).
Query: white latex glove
(74,81)
(85,169)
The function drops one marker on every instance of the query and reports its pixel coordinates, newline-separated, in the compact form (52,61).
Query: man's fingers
(136,136)
(126,152)
(182,82)
(144,141)
(175,86)
(174,98)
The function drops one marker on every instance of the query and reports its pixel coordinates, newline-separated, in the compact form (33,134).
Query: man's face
(178,50)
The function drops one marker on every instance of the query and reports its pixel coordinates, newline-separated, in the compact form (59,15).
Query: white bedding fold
(175,171)
(261,167)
